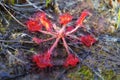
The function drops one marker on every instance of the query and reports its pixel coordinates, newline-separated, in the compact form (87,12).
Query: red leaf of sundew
(44,20)
(42,60)
(88,40)
(37,40)
(33,25)
(71,60)
(80,20)
(65,18)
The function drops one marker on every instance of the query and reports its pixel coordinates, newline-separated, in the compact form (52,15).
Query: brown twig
(12,15)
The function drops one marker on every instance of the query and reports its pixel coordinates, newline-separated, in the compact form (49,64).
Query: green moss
(108,75)
(2,29)
(83,74)
(118,77)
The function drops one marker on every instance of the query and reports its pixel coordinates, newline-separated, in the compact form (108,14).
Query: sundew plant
(66,30)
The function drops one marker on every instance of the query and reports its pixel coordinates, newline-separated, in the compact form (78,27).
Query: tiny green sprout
(48,2)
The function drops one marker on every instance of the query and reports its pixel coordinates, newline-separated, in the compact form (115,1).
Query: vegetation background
(99,62)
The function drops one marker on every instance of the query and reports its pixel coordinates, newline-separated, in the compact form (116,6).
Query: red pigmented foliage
(42,60)
(65,18)
(59,33)
(79,22)
(71,60)
(37,40)
(44,20)
(33,26)
(88,40)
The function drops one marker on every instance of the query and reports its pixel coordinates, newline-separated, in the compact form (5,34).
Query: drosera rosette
(41,23)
